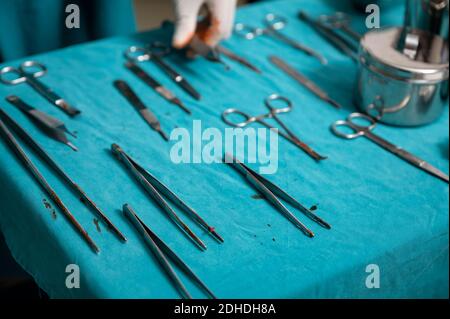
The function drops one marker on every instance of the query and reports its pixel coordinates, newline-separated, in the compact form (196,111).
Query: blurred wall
(150,13)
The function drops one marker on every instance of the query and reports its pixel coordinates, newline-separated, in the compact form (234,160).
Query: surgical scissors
(273,111)
(29,72)
(273,24)
(154,52)
(340,20)
(365,130)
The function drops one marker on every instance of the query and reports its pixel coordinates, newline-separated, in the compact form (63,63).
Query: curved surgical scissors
(273,24)
(366,131)
(273,111)
(154,52)
(340,20)
(29,72)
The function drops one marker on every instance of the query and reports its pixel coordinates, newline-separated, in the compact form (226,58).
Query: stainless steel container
(398,88)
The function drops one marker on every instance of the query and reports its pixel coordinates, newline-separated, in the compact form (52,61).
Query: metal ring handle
(349,136)
(227,112)
(137,54)
(275,22)
(363,116)
(28,65)
(276,97)
(159,49)
(11,70)
(247,32)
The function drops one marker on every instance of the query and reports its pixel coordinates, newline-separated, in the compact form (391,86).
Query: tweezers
(158,191)
(49,125)
(239,59)
(163,253)
(272,193)
(5,121)
(155,85)
(140,107)
(334,38)
(209,53)
(53,165)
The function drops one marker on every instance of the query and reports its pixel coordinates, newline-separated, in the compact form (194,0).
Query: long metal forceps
(273,24)
(361,130)
(155,85)
(303,80)
(29,72)
(52,164)
(51,126)
(273,111)
(340,20)
(163,253)
(158,191)
(8,136)
(334,38)
(140,107)
(154,53)
(272,193)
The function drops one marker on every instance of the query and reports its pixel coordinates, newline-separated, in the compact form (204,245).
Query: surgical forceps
(158,191)
(140,107)
(154,53)
(366,131)
(341,21)
(273,194)
(237,58)
(303,80)
(163,253)
(7,125)
(273,24)
(53,127)
(155,85)
(333,37)
(29,72)
(273,111)
(54,166)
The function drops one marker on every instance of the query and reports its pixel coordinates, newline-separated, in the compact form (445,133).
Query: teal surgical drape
(33,26)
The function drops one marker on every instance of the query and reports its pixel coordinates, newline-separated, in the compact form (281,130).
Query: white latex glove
(186,13)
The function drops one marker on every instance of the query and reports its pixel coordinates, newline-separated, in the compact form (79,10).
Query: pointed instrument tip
(163,135)
(93,246)
(73,147)
(182,106)
(217,236)
(323,61)
(334,103)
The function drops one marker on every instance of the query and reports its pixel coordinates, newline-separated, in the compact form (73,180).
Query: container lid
(381,51)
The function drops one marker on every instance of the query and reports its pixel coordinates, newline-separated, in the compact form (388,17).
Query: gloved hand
(221,21)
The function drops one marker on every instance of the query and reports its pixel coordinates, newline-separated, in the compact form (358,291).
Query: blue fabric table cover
(383,211)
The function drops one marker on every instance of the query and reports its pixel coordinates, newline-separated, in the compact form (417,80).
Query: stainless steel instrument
(304,81)
(140,107)
(366,131)
(274,194)
(158,192)
(155,85)
(273,114)
(155,53)
(51,126)
(164,254)
(272,26)
(29,72)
